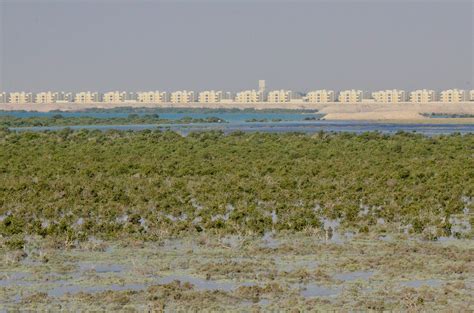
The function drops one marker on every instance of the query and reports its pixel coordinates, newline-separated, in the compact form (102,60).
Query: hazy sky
(197,45)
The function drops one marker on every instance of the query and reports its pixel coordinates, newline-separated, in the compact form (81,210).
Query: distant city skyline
(259,95)
(204,45)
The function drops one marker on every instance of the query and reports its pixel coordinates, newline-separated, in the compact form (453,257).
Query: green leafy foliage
(151,182)
(132,119)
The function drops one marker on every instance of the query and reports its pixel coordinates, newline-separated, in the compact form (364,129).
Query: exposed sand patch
(387,115)
(437,107)
(384,111)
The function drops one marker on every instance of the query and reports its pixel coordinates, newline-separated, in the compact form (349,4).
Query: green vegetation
(263,120)
(132,119)
(194,110)
(149,184)
(447,115)
(153,221)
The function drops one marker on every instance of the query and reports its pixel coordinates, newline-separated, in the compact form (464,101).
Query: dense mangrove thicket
(159,110)
(135,119)
(152,183)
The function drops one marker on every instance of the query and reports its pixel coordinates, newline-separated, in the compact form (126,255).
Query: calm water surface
(228,116)
(292,122)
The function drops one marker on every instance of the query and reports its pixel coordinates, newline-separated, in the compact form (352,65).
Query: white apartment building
(210,96)
(471,95)
(20,97)
(182,96)
(350,96)
(278,96)
(151,97)
(53,97)
(453,95)
(249,96)
(422,96)
(114,97)
(389,96)
(3,97)
(86,97)
(46,97)
(320,96)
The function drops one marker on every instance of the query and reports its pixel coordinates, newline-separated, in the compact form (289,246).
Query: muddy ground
(303,272)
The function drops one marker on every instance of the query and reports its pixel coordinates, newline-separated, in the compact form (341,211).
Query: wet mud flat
(301,272)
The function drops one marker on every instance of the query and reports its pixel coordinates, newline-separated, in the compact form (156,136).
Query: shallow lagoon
(303,271)
(232,117)
(238,121)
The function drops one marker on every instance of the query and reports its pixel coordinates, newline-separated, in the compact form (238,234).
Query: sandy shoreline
(453,121)
(333,111)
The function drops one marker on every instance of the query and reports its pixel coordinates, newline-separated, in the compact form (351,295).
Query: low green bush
(50,180)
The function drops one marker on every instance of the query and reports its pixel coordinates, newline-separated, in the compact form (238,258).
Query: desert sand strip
(367,116)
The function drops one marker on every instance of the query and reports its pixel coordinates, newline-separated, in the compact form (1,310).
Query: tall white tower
(261,85)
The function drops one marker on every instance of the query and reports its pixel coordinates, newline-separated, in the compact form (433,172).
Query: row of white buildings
(247,96)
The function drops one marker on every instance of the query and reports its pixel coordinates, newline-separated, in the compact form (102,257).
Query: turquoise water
(292,122)
(230,117)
